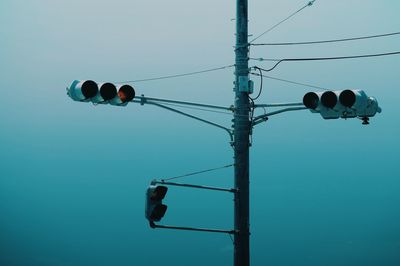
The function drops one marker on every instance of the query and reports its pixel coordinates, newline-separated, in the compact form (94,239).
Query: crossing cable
(288,81)
(310,3)
(327,41)
(198,172)
(278,61)
(177,75)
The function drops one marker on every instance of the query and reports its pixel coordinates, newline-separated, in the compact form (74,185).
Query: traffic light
(344,104)
(88,90)
(155,210)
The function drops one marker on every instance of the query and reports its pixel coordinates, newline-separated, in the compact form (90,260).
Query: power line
(282,21)
(177,75)
(289,81)
(329,41)
(320,59)
(199,172)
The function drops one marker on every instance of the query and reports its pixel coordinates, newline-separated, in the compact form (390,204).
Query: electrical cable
(289,81)
(329,41)
(319,59)
(199,172)
(176,75)
(255,98)
(261,85)
(310,3)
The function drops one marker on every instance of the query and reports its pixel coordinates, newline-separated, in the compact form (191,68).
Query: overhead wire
(177,75)
(327,41)
(288,81)
(320,59)
(310,3)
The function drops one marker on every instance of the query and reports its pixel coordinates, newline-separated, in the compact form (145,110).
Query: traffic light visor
(82,90)
(126,93)
(89,89)
(158,193)
(108,91)
(311,100)
(347,98)
(158,212)
(329,99)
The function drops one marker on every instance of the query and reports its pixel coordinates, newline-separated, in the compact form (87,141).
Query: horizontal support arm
(262,118)
(153,225)
(278,105)
(195,186)
(184,103)
(145,101)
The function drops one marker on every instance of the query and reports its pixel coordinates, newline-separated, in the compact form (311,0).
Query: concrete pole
(241,138)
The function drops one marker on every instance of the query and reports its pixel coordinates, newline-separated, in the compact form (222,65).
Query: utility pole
(241,144)
(330,104)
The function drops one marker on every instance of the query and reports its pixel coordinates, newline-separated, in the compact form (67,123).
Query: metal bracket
(231,232)
(262,118)
(233,190)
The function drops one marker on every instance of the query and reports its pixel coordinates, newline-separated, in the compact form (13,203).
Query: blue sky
(73,175)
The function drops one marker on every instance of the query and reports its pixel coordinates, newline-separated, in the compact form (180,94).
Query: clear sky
(73,175)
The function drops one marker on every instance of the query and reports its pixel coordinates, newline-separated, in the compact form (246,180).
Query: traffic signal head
(88,90)
(125,94)
(344,104)
(155,210)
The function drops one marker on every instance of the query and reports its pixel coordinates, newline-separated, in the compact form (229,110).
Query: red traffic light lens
(126,93)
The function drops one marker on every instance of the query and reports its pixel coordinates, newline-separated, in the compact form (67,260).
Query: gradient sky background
(73,175)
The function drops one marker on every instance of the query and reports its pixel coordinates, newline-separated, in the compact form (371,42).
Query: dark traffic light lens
(311,100)
(158,212)
(159,193)
(329,99)
(89,89)
(126,93)
(347,98)
(108,91)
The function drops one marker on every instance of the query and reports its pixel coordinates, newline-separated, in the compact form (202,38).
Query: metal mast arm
(262,118)
(218,107)
(145,101)
(153,225)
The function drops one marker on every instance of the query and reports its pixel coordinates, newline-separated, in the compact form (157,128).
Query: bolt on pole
(241,144)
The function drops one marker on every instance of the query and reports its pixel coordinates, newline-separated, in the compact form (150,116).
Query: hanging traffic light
(88,90)
(344,104)
(155,210)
